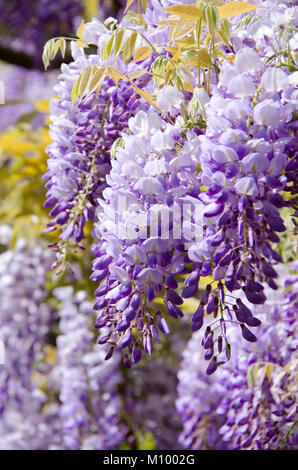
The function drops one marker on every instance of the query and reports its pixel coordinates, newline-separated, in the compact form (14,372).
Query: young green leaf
(80,30)
(235,8)
(252,374)
(130,46)
(119,40)
(189,12)
(109,46)
(142,53)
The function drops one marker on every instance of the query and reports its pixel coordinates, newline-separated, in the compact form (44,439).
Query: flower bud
(212,366)
(247,334)
(136,355)
(173,310)
(209,353)
(173,297)
(189,291)
(125,340)
(162,324)
(171,282)
(109,354)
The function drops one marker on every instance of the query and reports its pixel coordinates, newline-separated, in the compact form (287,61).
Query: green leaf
(55,49)
(172,21)
(96,80)
(51,49)
(83,87)
(235,8)
(246,20)
(80,30)
(46,55)
(252,374)
(63,47)
(130,46)
(184,30)
(228,349)
(224,37)
(269,371)
(212,18)
(110,45)
(194,57)
(142,53)
(107,48)
(89,81)
(81,43)
(137,73)
(119,40)
(189,12)
(74,91)
(117,143)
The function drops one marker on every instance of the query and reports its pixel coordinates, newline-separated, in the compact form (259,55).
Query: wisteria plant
(157,295)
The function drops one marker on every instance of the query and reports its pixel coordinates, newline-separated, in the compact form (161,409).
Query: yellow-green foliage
(22,192)
(196,34)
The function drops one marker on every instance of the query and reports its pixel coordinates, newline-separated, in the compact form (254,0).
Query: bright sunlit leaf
(235,8)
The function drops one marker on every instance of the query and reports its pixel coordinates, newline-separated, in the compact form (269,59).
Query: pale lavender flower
(152,173)
(83,134)
(226,410)
(247,161)
(25,324)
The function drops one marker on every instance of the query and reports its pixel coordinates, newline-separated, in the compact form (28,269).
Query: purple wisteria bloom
(251,402)
(200,202)
(83,134)
(270,31)
(152,177)
(245,153)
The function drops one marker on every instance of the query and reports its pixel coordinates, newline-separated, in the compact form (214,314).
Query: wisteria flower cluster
(82,136)
(155,307)
(241,408)
(132,258)
(184,196)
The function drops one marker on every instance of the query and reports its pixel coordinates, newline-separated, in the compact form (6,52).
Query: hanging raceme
(170,199)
